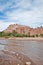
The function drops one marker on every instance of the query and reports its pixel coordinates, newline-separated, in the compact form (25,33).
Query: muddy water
(14,48)
(2,44)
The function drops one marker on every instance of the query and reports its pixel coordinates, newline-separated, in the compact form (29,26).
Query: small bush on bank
(32,36)
(41,35)
(36,35)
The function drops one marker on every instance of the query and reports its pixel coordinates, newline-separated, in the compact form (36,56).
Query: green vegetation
(36,35)
(32,36)
(2,34)
(41,35)
(15,34)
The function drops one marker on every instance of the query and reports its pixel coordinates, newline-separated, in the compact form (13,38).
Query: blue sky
(25,12)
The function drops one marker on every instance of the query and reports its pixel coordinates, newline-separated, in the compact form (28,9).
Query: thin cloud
(26,12)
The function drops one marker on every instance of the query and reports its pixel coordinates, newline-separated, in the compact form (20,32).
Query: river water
(32,49)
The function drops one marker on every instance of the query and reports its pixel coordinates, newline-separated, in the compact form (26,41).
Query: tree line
(15,34)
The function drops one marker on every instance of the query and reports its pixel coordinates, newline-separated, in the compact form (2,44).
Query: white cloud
(4,25)
(26,12)
(26,17)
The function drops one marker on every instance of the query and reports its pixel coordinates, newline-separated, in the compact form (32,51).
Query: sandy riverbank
(24,38)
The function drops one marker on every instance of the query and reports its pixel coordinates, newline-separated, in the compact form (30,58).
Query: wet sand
(11,56)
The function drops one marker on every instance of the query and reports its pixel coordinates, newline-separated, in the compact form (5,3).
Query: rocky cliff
(24,29)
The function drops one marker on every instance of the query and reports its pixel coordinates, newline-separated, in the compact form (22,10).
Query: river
(32,49)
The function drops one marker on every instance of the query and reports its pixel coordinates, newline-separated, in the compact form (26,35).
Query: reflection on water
(2,44)
(1,47)
(33,49)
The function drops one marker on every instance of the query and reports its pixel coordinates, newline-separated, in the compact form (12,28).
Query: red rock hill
(24,29)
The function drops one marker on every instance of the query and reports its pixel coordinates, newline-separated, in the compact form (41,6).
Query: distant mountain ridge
(24,29)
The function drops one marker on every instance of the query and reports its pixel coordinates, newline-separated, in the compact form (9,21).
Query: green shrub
(41,35)
(32,36)
(36,35)
(15,34)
